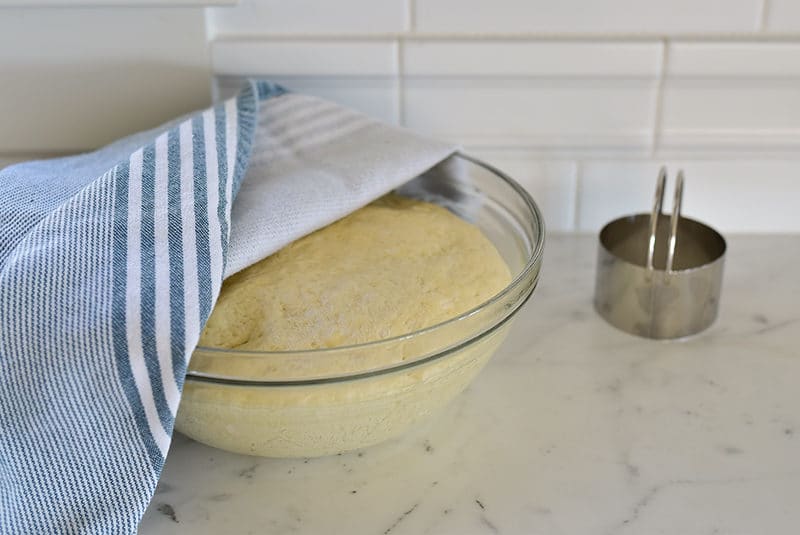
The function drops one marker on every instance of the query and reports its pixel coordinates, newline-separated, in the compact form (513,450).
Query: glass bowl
(325,401)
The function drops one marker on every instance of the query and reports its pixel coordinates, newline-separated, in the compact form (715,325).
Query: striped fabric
(105,284)
(110,263)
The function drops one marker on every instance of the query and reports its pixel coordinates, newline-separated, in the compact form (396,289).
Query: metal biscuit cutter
(658,275)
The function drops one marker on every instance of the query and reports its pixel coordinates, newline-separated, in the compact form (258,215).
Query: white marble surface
(573,428)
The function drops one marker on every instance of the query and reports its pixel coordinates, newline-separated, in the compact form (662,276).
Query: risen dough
(390,268)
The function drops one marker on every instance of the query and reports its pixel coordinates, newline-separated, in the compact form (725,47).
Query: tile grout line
(535,37)
(411,24)
(576,205)
(659,103)
(401,73)
(210,37)
(764,15)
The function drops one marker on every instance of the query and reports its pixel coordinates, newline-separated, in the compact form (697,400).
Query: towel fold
(110,263)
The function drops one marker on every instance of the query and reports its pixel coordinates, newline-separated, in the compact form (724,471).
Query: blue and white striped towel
(110,263)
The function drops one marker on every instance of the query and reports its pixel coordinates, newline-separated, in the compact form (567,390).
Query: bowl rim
(533,260)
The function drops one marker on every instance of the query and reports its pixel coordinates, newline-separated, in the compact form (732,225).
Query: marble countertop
(572,428)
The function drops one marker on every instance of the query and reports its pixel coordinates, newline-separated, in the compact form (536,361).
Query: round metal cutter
(659,276)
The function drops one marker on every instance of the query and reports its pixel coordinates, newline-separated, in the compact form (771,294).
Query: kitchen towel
(110,263)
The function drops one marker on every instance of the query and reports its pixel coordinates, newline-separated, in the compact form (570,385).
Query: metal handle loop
(658,203)
(676,215)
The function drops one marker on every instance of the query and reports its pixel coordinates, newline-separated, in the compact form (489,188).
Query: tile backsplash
(569,16)
(580,100)
(548,95)
(732,95)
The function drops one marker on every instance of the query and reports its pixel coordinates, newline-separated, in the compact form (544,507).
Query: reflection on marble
(573,428)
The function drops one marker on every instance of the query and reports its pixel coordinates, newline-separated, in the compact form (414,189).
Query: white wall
(581,100)
(75,78)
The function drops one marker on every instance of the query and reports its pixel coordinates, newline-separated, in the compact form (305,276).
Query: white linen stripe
(275,107)
(304,124)
(120,410)
(191,300)
(212,173)
(162,280)
(133,304)
(319,130)
(231,124)
(326,133)
(304,111)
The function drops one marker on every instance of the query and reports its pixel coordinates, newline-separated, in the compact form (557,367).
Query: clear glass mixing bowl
(325,401)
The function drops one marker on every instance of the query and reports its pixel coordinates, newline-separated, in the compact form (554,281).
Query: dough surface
(390,268)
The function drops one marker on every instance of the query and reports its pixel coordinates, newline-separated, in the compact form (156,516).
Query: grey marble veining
(573,428)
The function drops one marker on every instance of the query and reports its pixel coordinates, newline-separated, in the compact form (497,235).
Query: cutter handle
(658,202)
(673,222)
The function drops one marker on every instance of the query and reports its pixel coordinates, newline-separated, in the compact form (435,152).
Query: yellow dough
(395,266)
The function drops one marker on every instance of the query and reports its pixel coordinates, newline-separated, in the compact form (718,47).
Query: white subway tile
(736,95)
(74,79)
(358,74)
(305,58)
(520,94)
(713,114)
(611,189)
(574,16)
(783,16)
(550,114)
(731,196)
(733,59)
(745,196)
(260,17)
(541,58)
(550,183)
(376,97)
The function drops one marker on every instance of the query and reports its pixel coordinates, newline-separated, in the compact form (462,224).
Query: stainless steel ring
(659,276)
